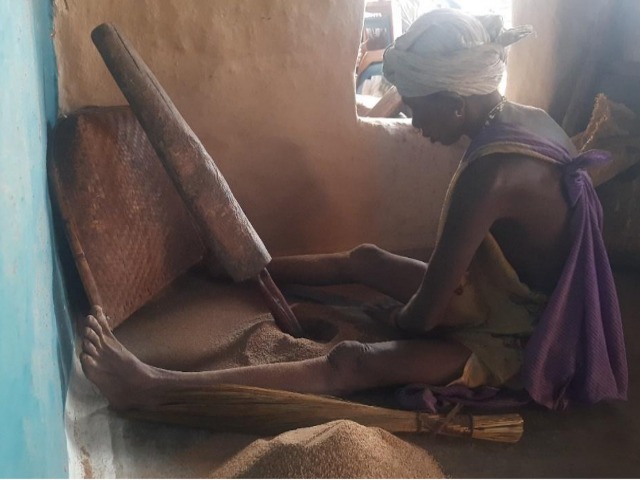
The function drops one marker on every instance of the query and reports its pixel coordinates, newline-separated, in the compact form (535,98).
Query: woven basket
(128,228)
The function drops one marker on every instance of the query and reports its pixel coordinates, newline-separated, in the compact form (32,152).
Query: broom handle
(270,412)
(496,428)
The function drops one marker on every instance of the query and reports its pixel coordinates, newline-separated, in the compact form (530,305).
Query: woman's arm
(480,197)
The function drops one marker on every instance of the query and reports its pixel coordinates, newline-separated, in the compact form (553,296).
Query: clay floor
(175,331)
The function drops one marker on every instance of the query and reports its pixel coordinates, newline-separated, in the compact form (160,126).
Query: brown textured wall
(621,207)
(545,71)
(543,67)
(268,87)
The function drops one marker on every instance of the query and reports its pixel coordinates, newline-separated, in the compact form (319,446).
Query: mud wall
(542,67)
(268,87)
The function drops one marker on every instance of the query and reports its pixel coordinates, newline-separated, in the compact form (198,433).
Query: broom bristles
(263,411)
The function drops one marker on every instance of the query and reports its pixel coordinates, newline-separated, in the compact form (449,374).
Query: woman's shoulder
(537,121)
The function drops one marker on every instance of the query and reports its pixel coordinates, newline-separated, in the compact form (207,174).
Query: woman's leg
(395,275)
(349,367)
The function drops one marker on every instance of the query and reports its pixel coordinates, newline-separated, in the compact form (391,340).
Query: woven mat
(128,228)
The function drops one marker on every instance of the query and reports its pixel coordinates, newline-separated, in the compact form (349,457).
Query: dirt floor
(178,330)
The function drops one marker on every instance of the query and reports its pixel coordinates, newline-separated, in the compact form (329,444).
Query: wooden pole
(223,224)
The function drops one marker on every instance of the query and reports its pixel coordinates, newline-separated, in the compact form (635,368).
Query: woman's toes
(99,314)
(103,321)
(92,322)
(89,348)
(92,336)
(87,360)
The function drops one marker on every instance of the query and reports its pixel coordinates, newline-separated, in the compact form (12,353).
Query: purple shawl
(576,353)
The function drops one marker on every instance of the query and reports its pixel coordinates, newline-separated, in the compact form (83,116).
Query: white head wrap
(447,50)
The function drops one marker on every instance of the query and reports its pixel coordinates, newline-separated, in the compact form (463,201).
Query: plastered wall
(268,87)
(542,67)
(34,349)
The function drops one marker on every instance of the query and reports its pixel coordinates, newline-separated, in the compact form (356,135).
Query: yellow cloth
(499,313)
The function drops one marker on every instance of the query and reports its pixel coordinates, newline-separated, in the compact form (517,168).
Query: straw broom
(242,409)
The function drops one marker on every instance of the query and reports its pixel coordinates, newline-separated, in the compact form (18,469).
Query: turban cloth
(447,50)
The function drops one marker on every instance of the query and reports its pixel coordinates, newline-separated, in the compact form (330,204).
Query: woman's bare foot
(121,377)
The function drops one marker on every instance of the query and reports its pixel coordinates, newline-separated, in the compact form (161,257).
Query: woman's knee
(366,252)
(365,257)
(349,362)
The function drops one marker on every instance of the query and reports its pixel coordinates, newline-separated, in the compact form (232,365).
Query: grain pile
(263,342)
(340,449)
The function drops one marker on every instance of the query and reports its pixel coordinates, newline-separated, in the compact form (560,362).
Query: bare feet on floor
(121,377)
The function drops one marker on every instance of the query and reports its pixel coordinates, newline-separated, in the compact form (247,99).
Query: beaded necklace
(493,113)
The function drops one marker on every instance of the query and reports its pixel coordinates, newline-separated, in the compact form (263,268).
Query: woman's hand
(411,318)
(400,318)
(406,317)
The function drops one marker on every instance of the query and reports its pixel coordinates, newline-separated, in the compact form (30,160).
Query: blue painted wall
(34,332)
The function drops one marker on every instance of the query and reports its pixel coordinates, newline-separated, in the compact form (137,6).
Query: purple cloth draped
(576,353)
(437,399)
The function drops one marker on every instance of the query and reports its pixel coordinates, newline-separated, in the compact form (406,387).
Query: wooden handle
(278,306)
(223,224)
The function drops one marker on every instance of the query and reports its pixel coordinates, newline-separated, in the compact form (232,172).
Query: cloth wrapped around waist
(496,313)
